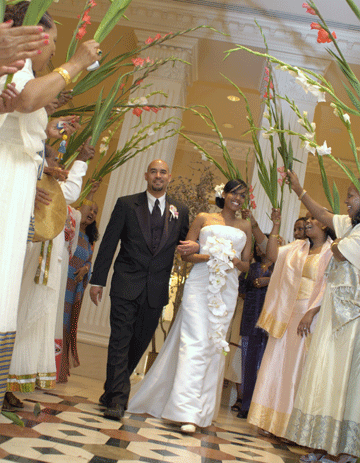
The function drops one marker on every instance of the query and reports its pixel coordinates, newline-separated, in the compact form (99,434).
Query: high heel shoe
(188,428)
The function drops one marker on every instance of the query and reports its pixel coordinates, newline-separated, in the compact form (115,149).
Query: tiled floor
(70,428)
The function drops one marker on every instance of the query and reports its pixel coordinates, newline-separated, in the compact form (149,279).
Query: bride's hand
(185,248)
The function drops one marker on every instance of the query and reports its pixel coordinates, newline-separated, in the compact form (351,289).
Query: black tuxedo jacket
(135,267)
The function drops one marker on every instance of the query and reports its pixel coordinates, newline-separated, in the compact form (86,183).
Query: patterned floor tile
(71,429)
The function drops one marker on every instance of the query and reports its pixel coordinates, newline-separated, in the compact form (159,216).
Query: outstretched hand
(295,184)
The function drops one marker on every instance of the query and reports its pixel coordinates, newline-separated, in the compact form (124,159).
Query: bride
(184,384)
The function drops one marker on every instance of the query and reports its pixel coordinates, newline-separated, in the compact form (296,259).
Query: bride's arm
(244,264)
(193,235)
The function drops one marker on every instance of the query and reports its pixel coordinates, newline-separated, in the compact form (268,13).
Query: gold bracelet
(88,202)
(64,74)
(275,236)
(254,226)
(302,194)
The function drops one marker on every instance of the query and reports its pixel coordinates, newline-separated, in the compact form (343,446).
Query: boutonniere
(173,212)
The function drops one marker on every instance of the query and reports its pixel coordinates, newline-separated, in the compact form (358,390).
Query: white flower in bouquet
(219,190)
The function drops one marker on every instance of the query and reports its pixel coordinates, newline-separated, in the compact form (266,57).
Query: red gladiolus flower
(323,36)
(81,32)
(149,40)
(251,196)
(267,71)
(137,111)
(92,4)
(122,86)
(146,108)
(138,61)
(139,82)
(86,18)
(155,110)
(315,26)
(251,189)
(309,9)
(157,37)
(267,96)
(253,204)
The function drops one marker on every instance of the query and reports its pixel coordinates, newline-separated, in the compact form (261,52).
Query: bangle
(64,74)
(275,236)
(255,225)
(87,202)
(302,194)
(333,244)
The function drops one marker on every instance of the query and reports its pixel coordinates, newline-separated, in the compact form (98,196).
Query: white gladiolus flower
(309,148)
(310,135)
(346,118)
(313,126)
(203,157)
(323,149)
(151,132)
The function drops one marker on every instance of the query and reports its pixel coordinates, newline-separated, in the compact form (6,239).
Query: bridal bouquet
(221,253)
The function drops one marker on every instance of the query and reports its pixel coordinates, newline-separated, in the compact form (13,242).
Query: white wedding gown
(185,382)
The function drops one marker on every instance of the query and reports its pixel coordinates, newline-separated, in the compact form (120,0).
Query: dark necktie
(156,226)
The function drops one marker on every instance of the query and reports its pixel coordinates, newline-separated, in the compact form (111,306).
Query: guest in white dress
(184,384)
(326,412)
(22,135)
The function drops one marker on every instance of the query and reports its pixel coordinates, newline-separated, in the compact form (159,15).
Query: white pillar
(129,178)
(285,85)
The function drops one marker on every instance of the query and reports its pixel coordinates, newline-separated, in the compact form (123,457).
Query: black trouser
(133,324)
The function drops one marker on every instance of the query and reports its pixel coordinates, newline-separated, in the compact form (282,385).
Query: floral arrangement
(317,85)
(174,214)
(268,170)
(221,254)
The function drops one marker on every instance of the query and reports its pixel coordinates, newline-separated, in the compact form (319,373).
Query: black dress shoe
(243,414)
(115,412)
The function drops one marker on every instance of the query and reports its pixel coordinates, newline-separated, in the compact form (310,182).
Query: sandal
(6,407)
(13,401)
(237,406)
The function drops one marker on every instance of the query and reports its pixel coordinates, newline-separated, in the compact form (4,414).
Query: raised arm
(41,91)
(318,211)
(273,243)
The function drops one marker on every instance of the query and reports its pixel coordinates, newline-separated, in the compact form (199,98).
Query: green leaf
(336,207)
(352,97)
(353,6)
(111,18)
(37,409)
(36,11)
(2,10)
(14,418)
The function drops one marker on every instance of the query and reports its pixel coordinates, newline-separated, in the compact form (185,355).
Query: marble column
(285,85)
(173,80)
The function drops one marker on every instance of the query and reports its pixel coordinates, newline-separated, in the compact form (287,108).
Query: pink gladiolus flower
(315,26)
(86,17)
(122,86)
(81,32)
(92,4)
(323,36)
(157,37)
(251,196)
(149,40)
(281,169)
(137,111)
(267,96)
(138,61)
(149,60)
(251,189)
(309,9)
(253,204)
(280,181)
(155,110)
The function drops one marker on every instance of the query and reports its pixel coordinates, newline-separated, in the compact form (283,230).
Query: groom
(149,225)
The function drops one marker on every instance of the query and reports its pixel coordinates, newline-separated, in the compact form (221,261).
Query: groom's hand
(96,294)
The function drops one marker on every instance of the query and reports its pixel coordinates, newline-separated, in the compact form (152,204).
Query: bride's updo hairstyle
(17,14)
(232,185)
